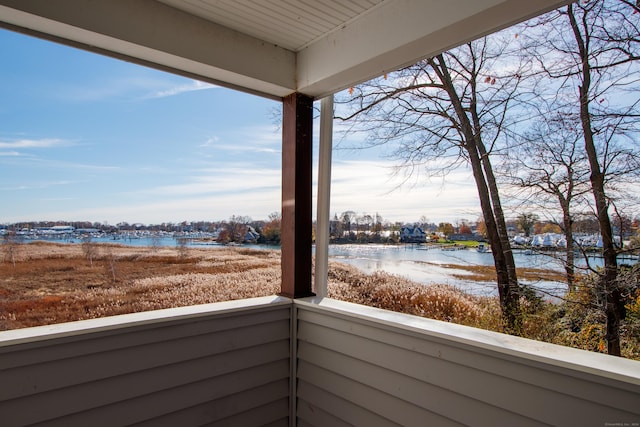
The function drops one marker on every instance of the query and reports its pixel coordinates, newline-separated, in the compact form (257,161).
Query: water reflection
(427,265)
(423,264)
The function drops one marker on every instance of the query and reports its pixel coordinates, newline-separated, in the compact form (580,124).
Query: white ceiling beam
(391,35)
(151,33)
(401,32)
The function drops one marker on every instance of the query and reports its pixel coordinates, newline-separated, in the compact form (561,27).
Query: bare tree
(447,111)
(155,242)
(583,31)
(238,226)
(526,221)
(367,222)
(110,265)
(89,249)
(592,54)
(549,170)
(347,218)
(336,228)
(182,248)
(377,226)
(11,245)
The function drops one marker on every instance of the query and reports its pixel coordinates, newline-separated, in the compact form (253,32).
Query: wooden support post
(297,126)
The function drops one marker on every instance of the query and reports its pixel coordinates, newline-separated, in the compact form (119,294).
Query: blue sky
(85,137)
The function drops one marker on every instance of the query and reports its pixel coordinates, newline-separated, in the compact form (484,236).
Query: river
(419,263)
(427,265)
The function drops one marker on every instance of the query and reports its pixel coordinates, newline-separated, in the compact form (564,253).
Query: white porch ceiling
(291,24)
(269,47)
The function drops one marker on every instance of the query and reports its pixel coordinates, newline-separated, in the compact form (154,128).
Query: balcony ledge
(39,333)
(561,357)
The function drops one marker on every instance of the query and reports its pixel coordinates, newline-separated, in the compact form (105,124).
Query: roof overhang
(378,36)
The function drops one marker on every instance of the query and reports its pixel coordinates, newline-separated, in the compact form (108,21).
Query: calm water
(414,262)
(426,265)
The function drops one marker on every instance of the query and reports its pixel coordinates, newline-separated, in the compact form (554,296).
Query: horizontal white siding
(228,364)
(361,366)
(221,364)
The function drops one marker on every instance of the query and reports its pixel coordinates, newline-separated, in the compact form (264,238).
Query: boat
(482,248)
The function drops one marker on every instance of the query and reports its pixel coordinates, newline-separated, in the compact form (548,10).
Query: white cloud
(69,165)
(219,181)
(369,187)
(131,86)
(193,85)
(239,148)
(256,139)
(100,88)
(361,186)
(257,204)
(34,143)
(210,142)
(215,194)
(37,185)
(58,199)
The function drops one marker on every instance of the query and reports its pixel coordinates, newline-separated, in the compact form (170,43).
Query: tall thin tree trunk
(503,235)
(509,301)
(614,310)
(568,235)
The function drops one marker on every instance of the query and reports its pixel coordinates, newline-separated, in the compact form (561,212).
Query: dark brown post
(297,126)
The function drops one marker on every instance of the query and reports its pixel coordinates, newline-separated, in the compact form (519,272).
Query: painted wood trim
(324,197)
(399,33)
(151,33)
(125,321)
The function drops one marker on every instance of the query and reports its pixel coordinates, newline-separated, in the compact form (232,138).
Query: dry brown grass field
(47,283)
(53,283)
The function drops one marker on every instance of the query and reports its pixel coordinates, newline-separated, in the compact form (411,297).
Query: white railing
(230,363)
(364,366)
(225,362)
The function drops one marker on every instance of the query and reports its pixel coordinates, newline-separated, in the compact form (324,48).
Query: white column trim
(324,196)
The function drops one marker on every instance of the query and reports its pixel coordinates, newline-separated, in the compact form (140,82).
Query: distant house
(251,236)
(412,235)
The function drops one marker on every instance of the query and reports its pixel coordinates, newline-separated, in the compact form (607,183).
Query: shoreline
(53,282)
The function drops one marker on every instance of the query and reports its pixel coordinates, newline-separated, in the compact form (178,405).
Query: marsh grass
(390,292)
(54,283)
(487,273)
